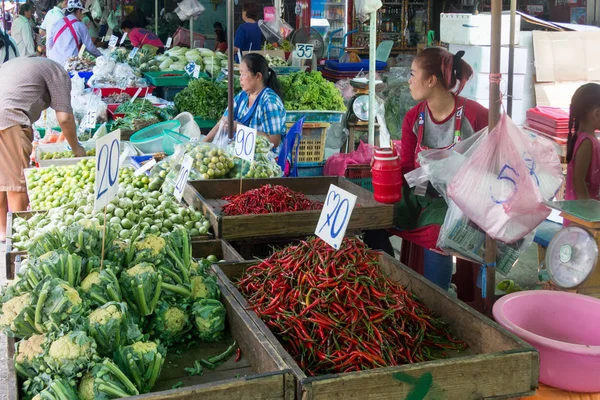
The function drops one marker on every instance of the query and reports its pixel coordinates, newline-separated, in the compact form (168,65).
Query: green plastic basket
(159,78)
(205,123)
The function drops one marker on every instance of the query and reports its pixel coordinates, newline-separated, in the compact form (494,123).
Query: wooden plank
(218,188)
(219,248)
(503,365)
(12,383)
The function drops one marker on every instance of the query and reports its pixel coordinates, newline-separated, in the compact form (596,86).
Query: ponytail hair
(450,69)
(585,99)
(257,63)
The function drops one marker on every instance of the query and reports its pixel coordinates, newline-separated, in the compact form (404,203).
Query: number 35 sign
(107,169)
(335,216)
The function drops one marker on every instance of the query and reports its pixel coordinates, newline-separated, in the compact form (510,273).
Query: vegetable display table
(496,363)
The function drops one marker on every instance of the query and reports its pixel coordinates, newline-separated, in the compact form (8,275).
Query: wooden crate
(496,365)
(12,254)
(261,373)
(367,214)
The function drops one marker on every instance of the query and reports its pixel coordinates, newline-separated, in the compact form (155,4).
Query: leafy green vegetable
(209,318)
(57,305)
(141,362)
(203,98)
(100,287)
(170,323)
(197,369)
(58,389)
(106,381)
(310,91)
(141,285)
(112,326)
(71,354)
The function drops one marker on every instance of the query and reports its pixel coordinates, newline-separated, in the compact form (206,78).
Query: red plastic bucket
(387,176)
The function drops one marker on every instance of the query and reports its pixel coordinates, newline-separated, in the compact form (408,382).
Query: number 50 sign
(107,169)
(335,216)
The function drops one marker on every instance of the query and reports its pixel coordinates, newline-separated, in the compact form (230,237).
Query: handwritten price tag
(335,216)
(81,50)
(146,167)
(133,52)
(169,42)
(304,51)
(113,41)
(190,67)
(107,169)
(123,38)
(245,143)
(184,172)
(89,122)
(135,96)
(196,73)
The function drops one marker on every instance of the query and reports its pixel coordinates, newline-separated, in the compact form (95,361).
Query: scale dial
(360,107)
(571,257)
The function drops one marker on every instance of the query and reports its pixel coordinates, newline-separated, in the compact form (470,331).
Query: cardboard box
(557,94)
(472,29)
(479,58)
(478,87)
(566,56)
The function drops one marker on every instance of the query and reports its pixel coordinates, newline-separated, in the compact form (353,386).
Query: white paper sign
(133,52)
(146,167)
(304,51)
(169,42)
(245,143)
(113,41)
(107,169)
(81,50)
(184,172)
(196,73)
(89,122)
(123,38)
(135,96)
(335,216)
(190,67)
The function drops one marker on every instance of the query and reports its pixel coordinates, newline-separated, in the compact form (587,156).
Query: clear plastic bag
(188,9)
(189,127)
(365,7)
(498,187)
(221,139)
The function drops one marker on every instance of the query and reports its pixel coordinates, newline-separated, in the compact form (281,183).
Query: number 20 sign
(335,216)
(107,169)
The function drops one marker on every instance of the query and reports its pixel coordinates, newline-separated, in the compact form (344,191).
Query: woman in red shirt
(139,36)
(439,121)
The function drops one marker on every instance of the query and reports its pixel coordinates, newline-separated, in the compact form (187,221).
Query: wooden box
(496,365)
(12,254)
(367,214)
(261,373)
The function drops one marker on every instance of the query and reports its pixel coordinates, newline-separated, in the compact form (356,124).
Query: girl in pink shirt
(583,148)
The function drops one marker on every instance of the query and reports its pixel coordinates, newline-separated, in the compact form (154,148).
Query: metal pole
(156,17)
(372,49)
(511,57)
(494,117)
(230,87)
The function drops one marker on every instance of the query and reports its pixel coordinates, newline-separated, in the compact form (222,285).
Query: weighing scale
(357,116)
(572,260)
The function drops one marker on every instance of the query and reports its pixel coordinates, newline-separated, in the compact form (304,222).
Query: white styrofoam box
(519,110)
(527,42)
(478,87)
(475,29)
(479,58)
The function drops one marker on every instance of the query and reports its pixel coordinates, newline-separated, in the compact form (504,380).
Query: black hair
(127,24)
(251,10)
(6,42)
(218,25)
(221,36)
(24,8)
(585,99)
(257,63)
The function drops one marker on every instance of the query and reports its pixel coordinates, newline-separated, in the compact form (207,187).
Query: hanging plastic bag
(96,9)
(498,186)
(221,139)
(188,9)
(112,21)
(365,7)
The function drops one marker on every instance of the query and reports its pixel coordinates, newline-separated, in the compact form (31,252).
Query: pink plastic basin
(564,327)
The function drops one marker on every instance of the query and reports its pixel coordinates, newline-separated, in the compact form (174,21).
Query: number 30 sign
(335,216)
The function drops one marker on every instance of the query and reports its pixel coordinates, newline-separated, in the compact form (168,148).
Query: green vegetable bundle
(203,98)
(310,91)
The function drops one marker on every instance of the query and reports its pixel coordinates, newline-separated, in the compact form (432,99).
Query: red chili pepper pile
(335,311)
(268,199)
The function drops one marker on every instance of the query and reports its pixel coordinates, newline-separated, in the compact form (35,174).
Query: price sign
(196,73)
(113,41)
(135,96)
(133,52)
(189,69)
(335,216)
(89,122)
(81,51)
(107,169)
(304,51)
(169,42)
(184,172)
(146,167)
(123,38)
(245,143)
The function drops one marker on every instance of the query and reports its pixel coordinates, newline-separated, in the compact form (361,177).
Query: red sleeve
(476,114)
(409,140)
(134,37)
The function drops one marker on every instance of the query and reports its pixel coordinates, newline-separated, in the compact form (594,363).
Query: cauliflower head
(102,316)
(71,354)
(12,309)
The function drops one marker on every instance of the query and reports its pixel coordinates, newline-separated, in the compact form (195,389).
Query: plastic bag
(188,9)
(77,85)
(189,127)
(263,166)
(498,187)
(96,10)
(112,21)
(365,7)
(221,139)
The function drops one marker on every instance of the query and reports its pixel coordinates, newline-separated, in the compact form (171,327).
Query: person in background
(22,32)
(8,47)
(221,38)
(69,34)
(53,16)
(140,37)
(92,28)
(439,121)
(6,19)
(259,105)
(583,147)
(248,36)
(36,83)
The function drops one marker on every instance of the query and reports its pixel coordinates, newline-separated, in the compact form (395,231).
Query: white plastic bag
(96,9)
(498,187)
(189,127)
(188,9)
(221,139)
(365,7)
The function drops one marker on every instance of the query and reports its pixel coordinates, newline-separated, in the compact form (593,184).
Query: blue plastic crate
(310,169)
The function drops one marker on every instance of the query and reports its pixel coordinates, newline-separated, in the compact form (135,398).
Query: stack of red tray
(550,121)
